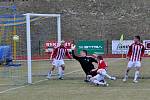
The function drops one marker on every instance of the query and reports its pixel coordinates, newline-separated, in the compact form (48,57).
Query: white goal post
(28,36)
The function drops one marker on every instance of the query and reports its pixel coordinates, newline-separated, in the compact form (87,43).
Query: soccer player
(135,54)
(101,71)
(58,60)
(87,63)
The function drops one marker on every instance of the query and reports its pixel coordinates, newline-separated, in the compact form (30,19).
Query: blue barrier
(6,56)
(5,53)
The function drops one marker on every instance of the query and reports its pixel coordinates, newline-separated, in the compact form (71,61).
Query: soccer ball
(16,38)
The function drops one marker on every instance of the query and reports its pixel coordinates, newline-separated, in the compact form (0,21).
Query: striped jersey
(60,52)
(136,51)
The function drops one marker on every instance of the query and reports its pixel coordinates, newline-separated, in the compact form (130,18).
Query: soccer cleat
(124,80)
(106,85)
(96,84)
(135,81)
(89,77)
(86,80)
(113,78)
(60,78)
(49,75)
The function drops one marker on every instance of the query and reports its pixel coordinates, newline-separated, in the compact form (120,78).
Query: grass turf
(73,87)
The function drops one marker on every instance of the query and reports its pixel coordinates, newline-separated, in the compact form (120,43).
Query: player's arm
(67,54)
(129,52)
(93,60)
(142,52)
(95,63)
(54,53)
(74,56)
(93,70)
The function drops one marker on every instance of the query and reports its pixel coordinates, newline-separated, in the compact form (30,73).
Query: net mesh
(13,69)
(42,30)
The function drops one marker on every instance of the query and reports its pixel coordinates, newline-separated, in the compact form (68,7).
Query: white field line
(15,88)
(34,83)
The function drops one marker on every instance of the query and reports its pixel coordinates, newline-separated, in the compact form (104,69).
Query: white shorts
(99,77)
(58,63)
(102,71)
(133,64)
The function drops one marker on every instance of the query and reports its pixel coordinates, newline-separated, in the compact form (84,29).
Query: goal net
(12,49)
(26,43)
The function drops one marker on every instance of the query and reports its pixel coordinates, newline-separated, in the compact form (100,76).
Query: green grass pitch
(73,87)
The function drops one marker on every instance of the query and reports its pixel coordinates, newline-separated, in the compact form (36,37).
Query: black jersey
(86,62)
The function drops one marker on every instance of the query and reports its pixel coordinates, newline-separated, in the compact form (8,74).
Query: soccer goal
(47,28)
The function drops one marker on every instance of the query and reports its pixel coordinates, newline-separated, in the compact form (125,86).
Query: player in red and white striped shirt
(135,54)
(58,60)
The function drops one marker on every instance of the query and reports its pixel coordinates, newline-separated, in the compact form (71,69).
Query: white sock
(97,82)
(105,74)
(63,73)
(136,75)
(108,76)
(49,73)
(60,72)
(126,76)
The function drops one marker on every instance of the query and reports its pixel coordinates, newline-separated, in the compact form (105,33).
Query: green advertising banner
(93,47)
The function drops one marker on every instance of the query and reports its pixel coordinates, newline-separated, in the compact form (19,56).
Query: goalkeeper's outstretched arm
(74,56)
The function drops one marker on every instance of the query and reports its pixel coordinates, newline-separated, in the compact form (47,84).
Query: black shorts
(93,73)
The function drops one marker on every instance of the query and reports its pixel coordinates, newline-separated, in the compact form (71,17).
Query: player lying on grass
(87,63)
(135,54)
(101,71)
(58,60)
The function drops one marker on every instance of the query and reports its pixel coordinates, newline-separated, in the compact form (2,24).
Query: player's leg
(87,75)
(90,75)
(50,72)
(108,76)
(61,72)
(61,69)
(52,69)
(98,80)
(104,73)
(137,71)
(126,74)
(129,66)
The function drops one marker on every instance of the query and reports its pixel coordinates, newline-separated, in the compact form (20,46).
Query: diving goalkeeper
(87,63)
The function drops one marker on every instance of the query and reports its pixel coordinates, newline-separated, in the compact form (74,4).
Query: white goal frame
(28,36)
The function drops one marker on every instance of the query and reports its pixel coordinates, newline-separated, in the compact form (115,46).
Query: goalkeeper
(87,63)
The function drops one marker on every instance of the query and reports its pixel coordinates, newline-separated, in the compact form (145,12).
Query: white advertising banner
(147,46)
(120,47)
